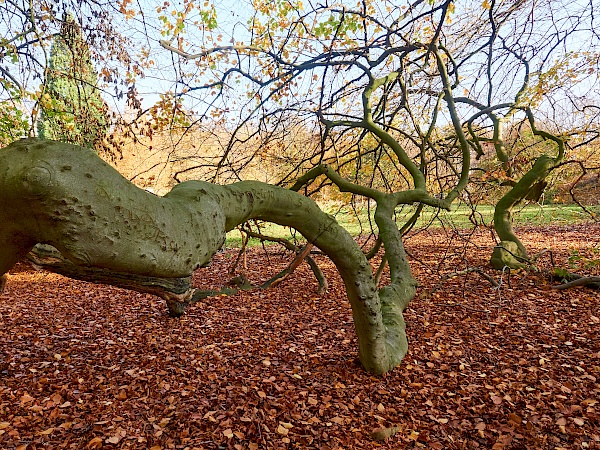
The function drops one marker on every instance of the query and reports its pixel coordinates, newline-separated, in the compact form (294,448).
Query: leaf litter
(509,367)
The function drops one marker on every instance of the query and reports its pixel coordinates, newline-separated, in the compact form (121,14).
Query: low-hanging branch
(113,232)
(593,282)
(305,253)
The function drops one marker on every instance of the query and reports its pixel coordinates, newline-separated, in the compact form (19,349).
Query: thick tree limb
(574,280)
(177,292)
(67,197)
(593,282)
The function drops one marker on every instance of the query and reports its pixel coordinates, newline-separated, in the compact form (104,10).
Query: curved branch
(67,197)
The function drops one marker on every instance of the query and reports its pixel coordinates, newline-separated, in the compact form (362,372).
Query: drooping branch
(511,252)
(318,273)
(67,197)
(177,292)
(570,280)
(593,282)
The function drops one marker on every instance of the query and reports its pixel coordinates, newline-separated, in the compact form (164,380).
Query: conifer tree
(72,109)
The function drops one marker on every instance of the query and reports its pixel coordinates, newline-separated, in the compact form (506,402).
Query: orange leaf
(95,443)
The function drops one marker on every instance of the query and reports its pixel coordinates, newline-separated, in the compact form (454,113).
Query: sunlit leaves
(174,20)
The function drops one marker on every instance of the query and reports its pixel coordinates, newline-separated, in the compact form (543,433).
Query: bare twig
(478,270)
(318,273)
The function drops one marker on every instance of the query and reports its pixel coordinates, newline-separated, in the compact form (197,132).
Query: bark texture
(510,252)
(109,231)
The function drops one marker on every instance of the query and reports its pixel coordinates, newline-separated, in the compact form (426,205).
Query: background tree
(72,109)
(29,30)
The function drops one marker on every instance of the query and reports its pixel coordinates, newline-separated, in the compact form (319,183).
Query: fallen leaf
(113,440)
(384,433)
(94,443)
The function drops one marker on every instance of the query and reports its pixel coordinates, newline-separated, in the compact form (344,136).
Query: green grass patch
(461,216)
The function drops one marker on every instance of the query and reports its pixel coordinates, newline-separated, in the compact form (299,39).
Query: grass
(460,217)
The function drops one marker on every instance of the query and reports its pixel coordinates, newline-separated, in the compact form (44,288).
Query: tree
(29,30)
(161,243)
(107,230)
(72,108)
(399,95)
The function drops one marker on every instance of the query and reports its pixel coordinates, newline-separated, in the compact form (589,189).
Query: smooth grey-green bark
(105,228)
(510,252)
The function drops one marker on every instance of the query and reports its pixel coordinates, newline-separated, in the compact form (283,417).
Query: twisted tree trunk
(510,252)
(109,231)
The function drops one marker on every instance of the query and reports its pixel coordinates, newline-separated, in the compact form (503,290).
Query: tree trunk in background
(510,252)
(105,229)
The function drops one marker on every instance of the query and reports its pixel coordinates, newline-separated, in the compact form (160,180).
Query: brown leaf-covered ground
(85,366)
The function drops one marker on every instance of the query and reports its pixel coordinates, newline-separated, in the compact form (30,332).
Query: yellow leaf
(282,430)
(228,433)
(163,423)
(4,425)
(413,436)
(486,4)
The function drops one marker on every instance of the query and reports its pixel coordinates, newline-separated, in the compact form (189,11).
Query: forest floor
(510,367)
